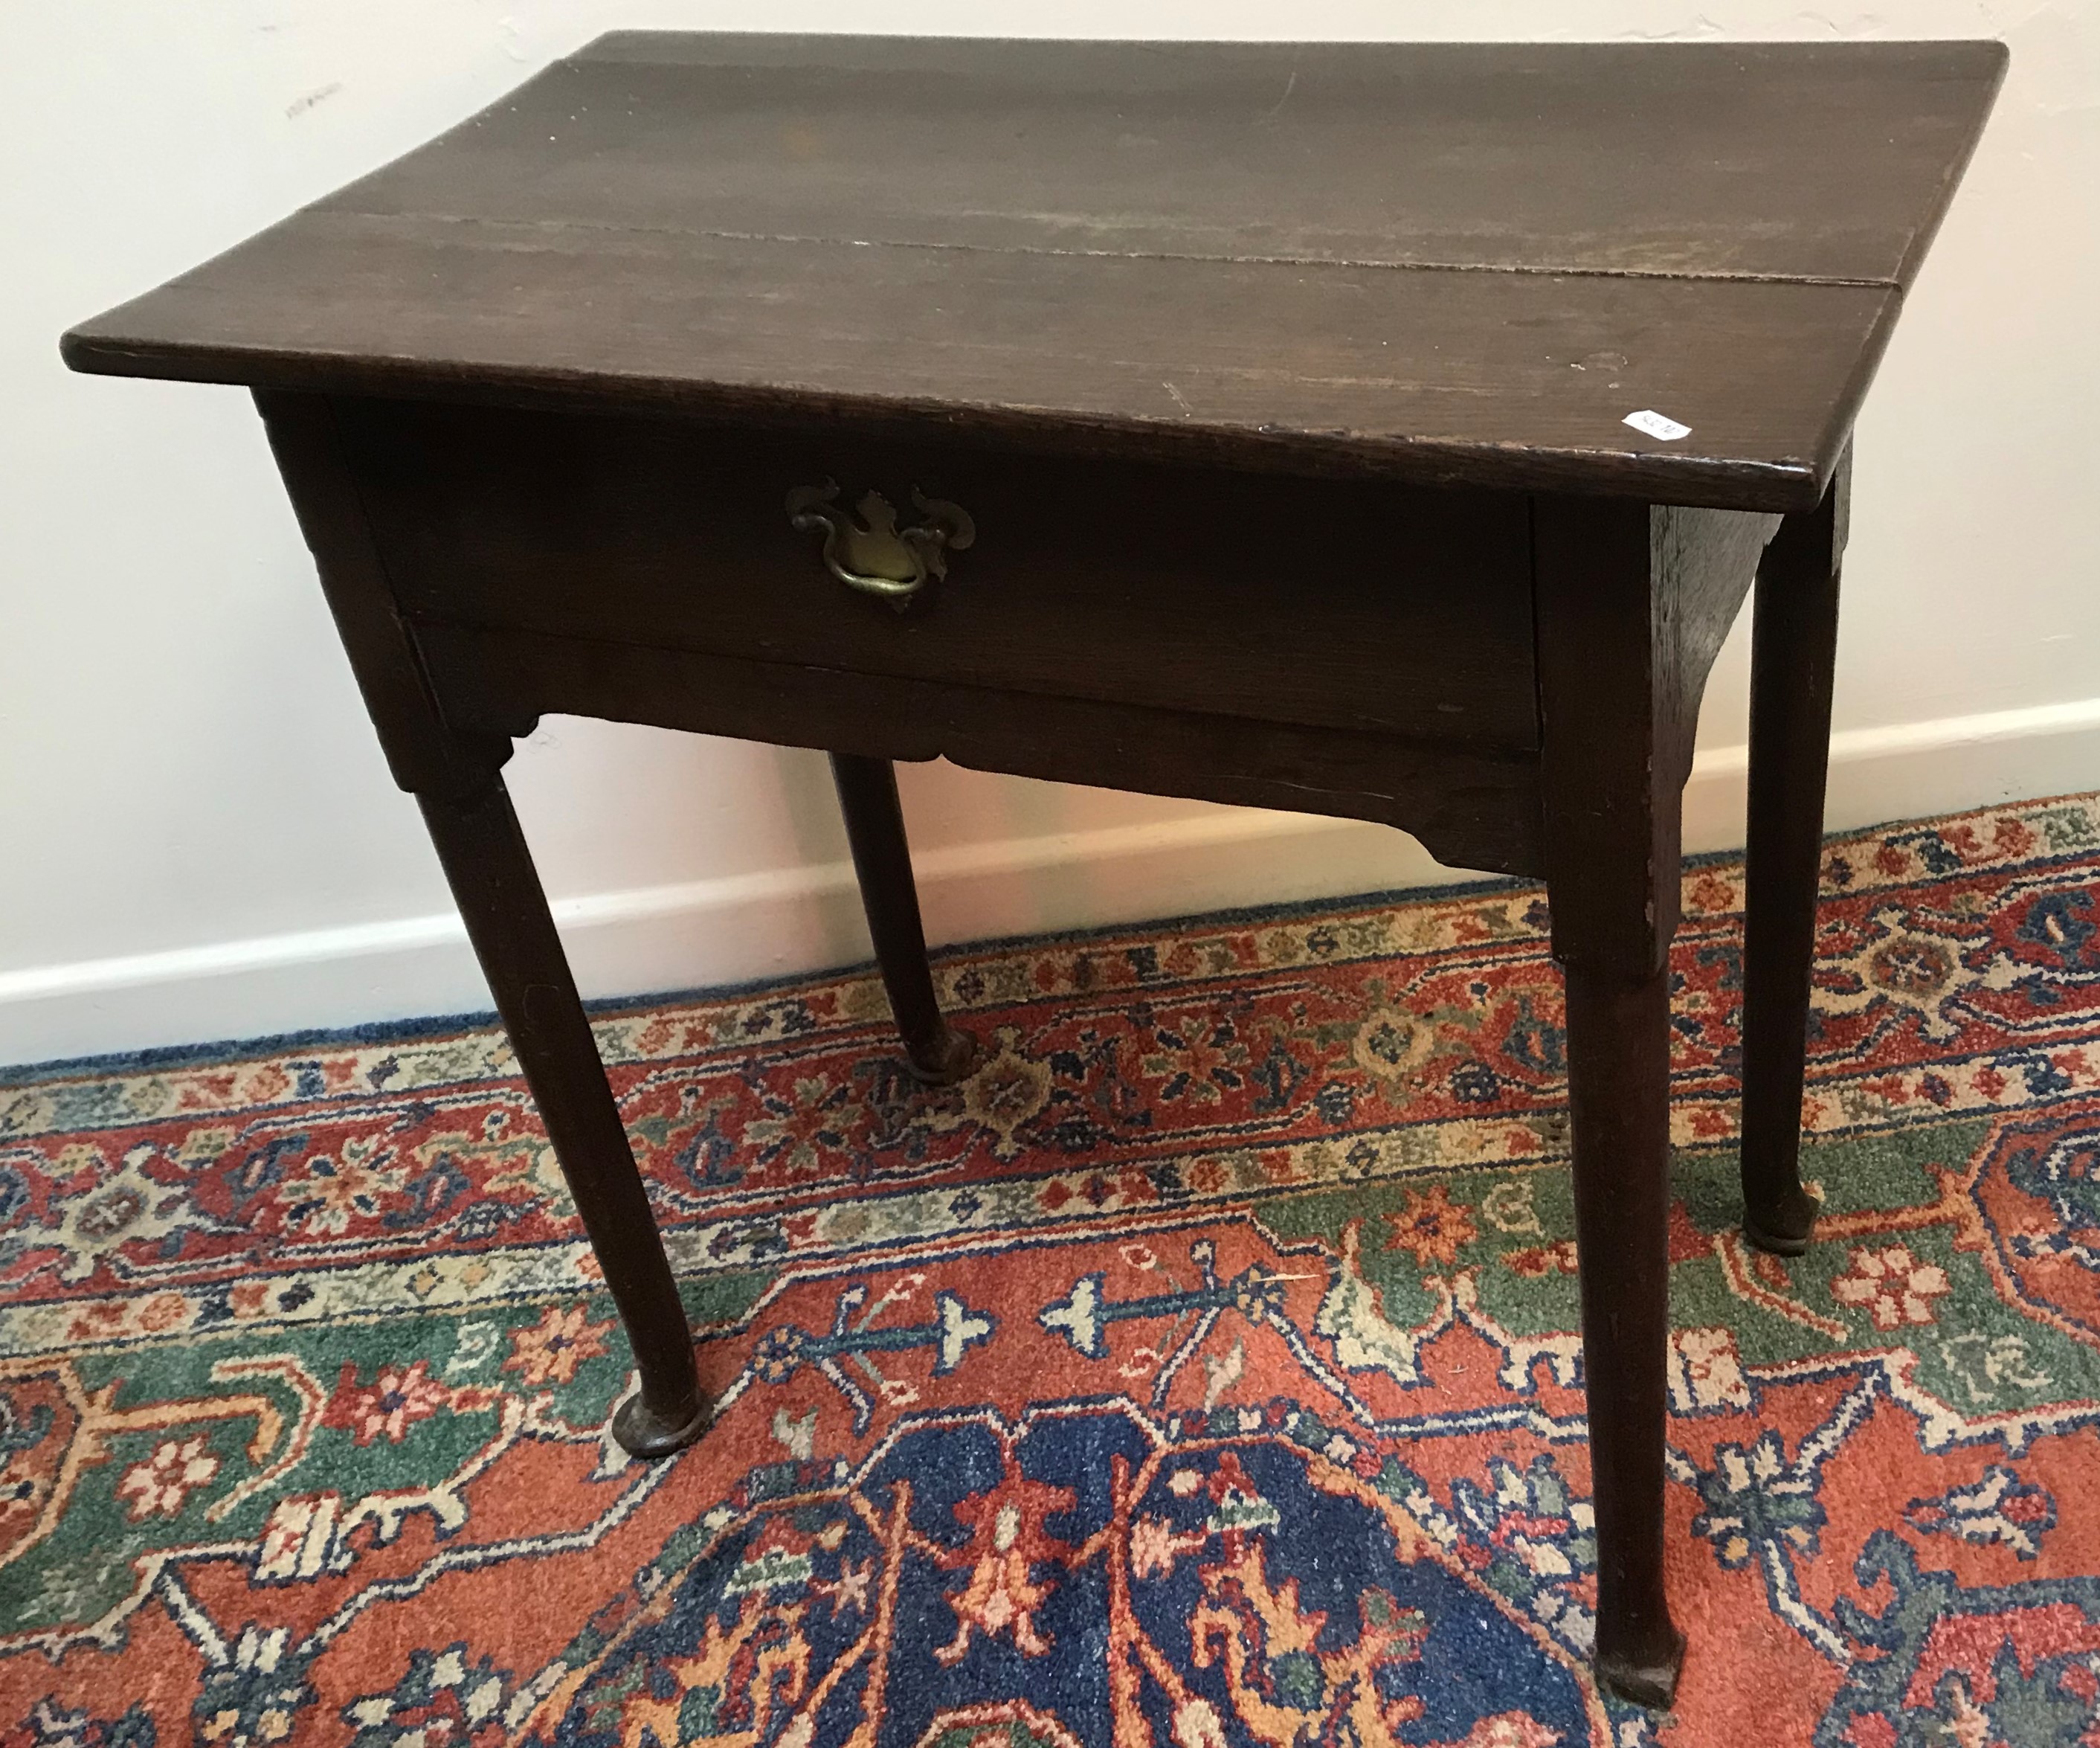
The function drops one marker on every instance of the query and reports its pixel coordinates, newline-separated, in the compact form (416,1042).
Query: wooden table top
(1452,263)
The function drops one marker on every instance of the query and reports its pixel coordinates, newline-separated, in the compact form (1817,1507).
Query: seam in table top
(790,239)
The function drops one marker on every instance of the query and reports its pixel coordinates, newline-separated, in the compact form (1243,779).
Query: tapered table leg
(1619,586)
(1793,657)
(1618,1071)
(499,895)
(454,774)
(939,1053)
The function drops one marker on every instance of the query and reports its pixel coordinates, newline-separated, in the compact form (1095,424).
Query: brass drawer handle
(873,554)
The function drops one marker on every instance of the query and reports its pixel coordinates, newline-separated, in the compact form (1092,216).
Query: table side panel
(1360,605)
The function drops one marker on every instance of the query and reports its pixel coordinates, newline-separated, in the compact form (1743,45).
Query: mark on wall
(300,105)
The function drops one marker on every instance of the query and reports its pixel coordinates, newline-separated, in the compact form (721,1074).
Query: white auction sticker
(1657,426)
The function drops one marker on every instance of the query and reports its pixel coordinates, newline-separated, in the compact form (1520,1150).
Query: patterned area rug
(1200,1372)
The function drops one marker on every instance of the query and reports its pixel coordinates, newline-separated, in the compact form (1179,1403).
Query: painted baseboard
(781,921)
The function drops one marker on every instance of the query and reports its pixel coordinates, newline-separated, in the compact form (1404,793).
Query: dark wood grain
(1618,1083)
(997,264)
(1500,379)
(1650,591)
(939,1053)
(453,769)
(1471,809)
(1701,564)
(1632,601)
(1346,604)
(1793,666)
(1798,161)
(497,890)
(427,754)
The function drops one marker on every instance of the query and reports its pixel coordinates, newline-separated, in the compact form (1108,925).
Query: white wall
(198,838)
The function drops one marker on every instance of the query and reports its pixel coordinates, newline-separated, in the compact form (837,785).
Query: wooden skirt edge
(1469,809)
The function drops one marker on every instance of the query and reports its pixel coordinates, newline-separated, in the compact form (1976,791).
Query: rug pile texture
(1201,1371)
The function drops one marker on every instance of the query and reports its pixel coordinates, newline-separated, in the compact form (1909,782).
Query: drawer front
(1349,604)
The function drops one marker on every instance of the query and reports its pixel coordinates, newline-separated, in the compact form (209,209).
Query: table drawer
(1341,603)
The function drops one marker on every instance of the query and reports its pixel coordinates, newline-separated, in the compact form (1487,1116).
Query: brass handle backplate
(866,549)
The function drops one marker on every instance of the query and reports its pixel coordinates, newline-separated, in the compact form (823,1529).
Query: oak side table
(1390,431)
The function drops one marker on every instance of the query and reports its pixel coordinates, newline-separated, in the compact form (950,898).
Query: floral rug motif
(1201,1371)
